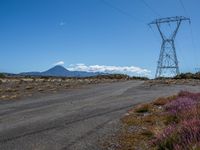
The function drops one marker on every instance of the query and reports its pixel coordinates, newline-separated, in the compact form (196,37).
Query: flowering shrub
(194,96)
(190,132)
(166,139)
(183,134)
(180,104)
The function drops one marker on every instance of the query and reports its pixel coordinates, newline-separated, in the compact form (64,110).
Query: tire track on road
(60,126)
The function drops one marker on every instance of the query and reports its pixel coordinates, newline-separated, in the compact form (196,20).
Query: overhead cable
(122,11)
(152,10)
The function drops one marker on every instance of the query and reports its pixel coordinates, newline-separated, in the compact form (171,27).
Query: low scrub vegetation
(171,123)
(17,87)
(188,76)
(120,76)
(2,75)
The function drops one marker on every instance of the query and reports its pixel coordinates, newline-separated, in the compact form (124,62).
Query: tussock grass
(164,100)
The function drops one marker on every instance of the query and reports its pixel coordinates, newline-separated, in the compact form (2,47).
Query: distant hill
(60,71)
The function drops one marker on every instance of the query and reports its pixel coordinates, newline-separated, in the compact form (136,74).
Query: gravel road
(76,119)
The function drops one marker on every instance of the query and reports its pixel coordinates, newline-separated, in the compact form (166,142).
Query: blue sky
(36,34)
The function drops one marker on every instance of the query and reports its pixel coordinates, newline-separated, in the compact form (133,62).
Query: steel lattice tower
(168,62)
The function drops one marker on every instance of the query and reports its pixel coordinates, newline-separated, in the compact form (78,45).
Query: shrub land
(17,87)
(171,123)
(188,76)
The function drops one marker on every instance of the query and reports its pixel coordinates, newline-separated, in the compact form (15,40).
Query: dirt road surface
(76,119)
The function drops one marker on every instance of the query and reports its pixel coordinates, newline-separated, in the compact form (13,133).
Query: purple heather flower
(186,133)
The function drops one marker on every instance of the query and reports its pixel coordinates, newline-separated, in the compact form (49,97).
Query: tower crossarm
(170,19)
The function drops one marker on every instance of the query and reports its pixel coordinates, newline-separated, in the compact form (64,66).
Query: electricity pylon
(168,62)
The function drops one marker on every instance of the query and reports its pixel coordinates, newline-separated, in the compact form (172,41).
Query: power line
(191,31)
(121,11)
(183,6)
(154,12)
(155,35)
(193,45)
(129,15)
(148,6)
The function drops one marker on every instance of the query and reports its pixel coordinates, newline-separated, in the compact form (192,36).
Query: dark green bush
(143,108)
(2,75)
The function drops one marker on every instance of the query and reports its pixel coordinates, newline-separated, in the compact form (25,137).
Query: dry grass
(164,100)
(160,101)
(139,128)
(130,141)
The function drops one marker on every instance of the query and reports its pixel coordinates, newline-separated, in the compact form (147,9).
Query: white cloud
(59,63)
(130,70)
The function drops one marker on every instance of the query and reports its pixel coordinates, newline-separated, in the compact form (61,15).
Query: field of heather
(170,123)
